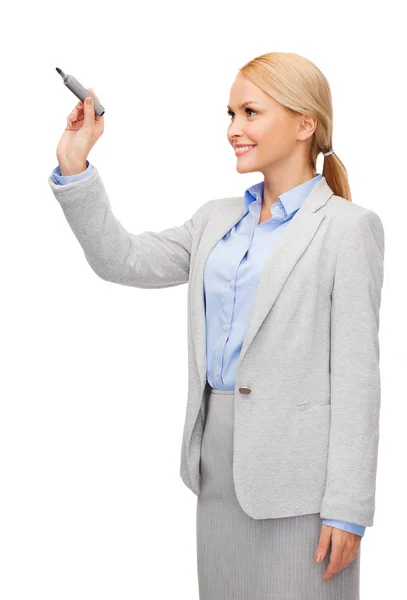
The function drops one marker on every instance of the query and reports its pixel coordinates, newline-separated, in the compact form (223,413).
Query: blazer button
(245,390)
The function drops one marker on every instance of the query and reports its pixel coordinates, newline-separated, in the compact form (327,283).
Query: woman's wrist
(69,167)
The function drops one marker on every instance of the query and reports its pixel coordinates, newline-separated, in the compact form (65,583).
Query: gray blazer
(307,401)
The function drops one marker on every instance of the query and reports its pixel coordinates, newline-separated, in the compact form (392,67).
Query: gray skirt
(240,558)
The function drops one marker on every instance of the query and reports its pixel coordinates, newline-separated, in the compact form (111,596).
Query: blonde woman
(281,431)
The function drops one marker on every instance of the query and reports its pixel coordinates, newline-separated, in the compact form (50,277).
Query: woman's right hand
(82,132)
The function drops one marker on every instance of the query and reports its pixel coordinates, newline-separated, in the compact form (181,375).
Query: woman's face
(263,122)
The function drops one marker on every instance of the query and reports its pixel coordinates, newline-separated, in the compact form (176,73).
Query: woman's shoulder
(344,211)
(354,221)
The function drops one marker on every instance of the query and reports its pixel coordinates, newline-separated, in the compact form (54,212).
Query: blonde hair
(298,85)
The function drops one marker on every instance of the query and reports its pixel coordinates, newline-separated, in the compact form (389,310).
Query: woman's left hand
(345,546)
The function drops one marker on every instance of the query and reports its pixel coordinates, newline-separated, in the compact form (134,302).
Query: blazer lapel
(284,256)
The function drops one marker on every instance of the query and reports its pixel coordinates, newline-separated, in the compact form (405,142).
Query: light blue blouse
(232,273)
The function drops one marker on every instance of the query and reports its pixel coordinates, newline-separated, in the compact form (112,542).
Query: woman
(284,291)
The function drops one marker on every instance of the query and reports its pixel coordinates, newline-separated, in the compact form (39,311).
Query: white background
(91,502)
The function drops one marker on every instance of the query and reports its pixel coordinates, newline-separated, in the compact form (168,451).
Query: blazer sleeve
(354,373)
(145,260)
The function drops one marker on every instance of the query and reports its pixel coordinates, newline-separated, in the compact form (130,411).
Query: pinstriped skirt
(240,558)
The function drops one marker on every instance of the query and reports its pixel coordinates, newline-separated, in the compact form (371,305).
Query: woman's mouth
(243,150)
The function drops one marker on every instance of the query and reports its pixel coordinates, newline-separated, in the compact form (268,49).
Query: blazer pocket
(310,406)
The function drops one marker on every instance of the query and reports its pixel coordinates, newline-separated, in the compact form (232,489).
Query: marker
(80,92)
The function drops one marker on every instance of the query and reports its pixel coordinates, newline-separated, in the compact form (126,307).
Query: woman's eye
(231,114)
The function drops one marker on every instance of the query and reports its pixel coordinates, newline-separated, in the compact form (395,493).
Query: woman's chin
(240,168)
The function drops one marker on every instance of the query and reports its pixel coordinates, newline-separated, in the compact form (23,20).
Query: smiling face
(265,123)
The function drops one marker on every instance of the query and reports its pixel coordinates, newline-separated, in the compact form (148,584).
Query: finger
(347,562)
(349,557)
(98,119)
(79,105)
(323,543)
(89,116)
(70,122)
(329,571)
(335,562)
(76,114)
(93,94)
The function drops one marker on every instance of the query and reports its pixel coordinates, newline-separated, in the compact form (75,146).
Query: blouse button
(245,390)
